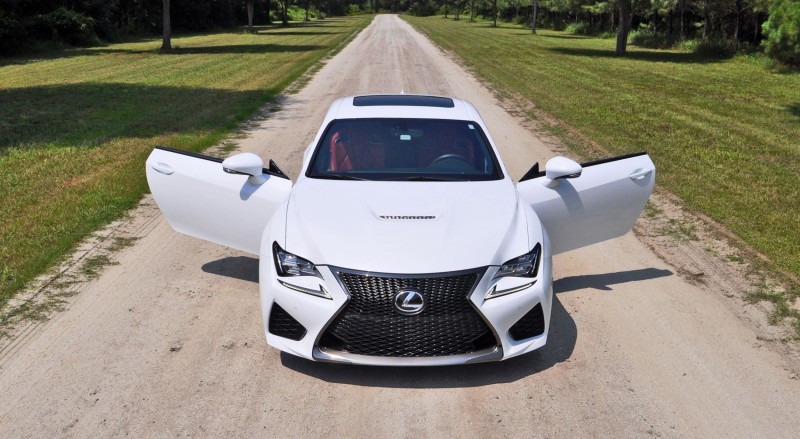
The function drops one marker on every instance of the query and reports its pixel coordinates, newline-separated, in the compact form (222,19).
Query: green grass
(724,132)
(77,125)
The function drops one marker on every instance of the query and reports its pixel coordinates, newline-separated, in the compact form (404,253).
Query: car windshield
(404,149)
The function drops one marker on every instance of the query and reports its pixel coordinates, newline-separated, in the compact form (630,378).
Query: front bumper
(316,314)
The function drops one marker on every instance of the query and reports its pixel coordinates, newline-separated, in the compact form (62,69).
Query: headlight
(288,264)
(526,265)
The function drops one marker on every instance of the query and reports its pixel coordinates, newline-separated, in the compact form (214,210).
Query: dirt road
(169,342)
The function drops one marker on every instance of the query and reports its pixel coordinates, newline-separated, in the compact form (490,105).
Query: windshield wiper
(337,176)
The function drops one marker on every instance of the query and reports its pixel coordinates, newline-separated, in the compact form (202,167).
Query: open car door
(228,203)
(580,205)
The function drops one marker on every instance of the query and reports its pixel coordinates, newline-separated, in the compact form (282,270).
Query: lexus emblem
(409,301)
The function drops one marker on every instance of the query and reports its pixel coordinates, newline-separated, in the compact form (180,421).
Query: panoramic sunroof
(402,100)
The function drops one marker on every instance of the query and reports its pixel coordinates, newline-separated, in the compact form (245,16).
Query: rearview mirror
(558,168)
(246,163)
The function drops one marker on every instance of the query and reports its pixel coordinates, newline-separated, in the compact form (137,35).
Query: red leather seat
(357,150)
(340,159)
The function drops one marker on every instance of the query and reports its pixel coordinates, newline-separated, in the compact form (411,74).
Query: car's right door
(602,203)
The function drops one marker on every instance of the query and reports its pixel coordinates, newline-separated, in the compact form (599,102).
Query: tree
(166,34)
(783,31)
(494,13)
(285,16)
(250,14)
(683,20)
(535,15)
(624,26)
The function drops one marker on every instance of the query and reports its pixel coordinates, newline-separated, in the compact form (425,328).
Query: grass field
(76,125)
(724,133)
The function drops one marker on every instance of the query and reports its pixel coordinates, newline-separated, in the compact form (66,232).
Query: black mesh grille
(530,325)
(282,324)
(371,325)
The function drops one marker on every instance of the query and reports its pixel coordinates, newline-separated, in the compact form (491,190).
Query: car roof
(402,105)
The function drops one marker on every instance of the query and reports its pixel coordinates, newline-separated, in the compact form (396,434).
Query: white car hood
(339,223)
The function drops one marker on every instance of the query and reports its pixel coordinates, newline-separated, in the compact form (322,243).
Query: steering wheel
(451,157)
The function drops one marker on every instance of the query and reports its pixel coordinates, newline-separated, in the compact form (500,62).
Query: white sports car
(404,240)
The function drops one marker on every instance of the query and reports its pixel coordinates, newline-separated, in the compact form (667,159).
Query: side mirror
(246,163)
(558,168)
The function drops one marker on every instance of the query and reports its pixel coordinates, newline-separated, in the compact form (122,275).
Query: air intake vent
(282,324)
(370,324)
(530,325)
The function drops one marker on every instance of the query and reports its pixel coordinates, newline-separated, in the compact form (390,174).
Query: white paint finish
(199,199)
(338,223)
(601,204)
(399,227)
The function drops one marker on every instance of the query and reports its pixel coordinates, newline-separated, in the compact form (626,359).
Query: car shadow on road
(603,281)
(238,267)
(560,345)
(561,342)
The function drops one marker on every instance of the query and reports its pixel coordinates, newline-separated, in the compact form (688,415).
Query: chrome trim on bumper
(492,354)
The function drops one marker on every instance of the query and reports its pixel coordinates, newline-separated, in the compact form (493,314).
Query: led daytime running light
(497,293)
(317,293)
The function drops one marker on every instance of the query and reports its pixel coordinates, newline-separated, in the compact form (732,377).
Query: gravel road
(169,342)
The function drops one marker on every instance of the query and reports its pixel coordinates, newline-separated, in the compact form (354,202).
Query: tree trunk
(670,27)
(166,36)
(535,16)
(458,10)
(472,11)
(250,14)
(705,20)
(285,18)
(630,18)
(737,23)
(683,11)
(655,21)
(269,18)
(755,27)
(624,26)
(308,6)
(612,20)
(494,13)
(445,9)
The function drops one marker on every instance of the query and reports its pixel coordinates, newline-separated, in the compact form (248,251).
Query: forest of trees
(726,25)
(28,24)
(713,25)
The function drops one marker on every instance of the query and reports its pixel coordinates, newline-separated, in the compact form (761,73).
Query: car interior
(403,146)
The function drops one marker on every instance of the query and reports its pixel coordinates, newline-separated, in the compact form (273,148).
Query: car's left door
(201,198)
